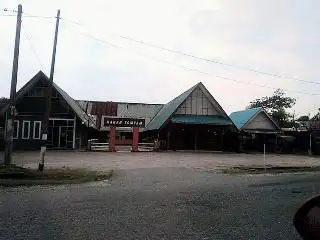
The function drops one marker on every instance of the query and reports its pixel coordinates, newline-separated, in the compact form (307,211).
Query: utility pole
(11,110)
(48,95)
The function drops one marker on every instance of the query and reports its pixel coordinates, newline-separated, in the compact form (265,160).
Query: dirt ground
(128,160)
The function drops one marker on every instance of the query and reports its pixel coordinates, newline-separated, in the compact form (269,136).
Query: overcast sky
(276,36)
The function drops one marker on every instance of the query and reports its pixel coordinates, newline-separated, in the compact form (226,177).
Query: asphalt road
(161,203)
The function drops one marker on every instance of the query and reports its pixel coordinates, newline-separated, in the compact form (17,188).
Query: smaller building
(256,128)
(68,123)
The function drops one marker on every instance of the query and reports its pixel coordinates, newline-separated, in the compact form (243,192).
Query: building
(101,111)
(65,130)
(256,129)
(193,120)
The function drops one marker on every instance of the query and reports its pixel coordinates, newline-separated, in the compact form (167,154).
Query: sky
(95,62)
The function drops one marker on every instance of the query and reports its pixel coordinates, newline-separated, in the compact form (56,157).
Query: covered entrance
(61,133)
(197,132)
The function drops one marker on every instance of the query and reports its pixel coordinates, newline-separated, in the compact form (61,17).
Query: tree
(317,116)
(276,106)
(303,118)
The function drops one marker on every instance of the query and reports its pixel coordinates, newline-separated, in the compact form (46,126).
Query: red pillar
(135,139)
(112,139)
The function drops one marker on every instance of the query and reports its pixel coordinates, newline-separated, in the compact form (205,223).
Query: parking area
(129,160)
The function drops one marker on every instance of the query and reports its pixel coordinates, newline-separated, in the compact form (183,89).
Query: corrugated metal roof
(240,118)
(168,109)
(196,119)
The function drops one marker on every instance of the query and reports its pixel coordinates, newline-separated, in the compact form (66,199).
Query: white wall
(197,104)
(261,121)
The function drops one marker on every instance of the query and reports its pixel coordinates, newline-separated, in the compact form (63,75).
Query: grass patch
(15,175)
(268,169)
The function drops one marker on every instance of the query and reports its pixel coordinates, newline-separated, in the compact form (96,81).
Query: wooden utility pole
(45,124)
(11,110)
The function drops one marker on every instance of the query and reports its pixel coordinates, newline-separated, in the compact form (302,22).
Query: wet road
(159,203)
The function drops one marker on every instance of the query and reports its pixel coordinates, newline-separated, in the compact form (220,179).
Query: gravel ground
(128,160)
(159,203)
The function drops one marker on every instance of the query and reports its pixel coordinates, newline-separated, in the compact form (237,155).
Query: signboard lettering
(124,122)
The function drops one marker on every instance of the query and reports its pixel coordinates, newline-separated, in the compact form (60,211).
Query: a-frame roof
(169,109)
(242,118)
(80,113)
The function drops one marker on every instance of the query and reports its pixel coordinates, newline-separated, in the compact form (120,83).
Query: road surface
(159,203)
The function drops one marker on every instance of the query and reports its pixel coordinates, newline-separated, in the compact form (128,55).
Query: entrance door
(60,133)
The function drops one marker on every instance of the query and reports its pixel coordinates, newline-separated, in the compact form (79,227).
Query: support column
(74,133)
(168,139)
(195,139)
(112,139)
(310,144)
(135,139)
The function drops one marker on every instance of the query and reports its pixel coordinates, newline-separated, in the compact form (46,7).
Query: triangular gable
(197,103)
(167,110)
(240,118)
(261,121)
(176,106)
(254,119)
(41,76)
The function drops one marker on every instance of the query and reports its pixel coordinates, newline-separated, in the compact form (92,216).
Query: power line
(181,53)
(215,61)
(186,67)
(202,58)
(26,35)
(25,14)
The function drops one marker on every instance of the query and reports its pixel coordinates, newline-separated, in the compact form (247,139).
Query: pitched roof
(168,109)
(70,101)
(240,118)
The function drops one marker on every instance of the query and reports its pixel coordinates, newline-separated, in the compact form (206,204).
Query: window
(25,129)
(36,129)
(16,129)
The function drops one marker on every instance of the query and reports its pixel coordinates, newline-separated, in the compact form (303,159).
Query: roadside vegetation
(267,169)
(18,176)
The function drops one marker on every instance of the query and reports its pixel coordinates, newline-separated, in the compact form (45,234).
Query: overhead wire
(186,67)
(26,35)
(184,54)
(202,58)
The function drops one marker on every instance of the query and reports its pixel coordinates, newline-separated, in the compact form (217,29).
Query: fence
(104,146)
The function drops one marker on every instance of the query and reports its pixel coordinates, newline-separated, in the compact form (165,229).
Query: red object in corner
(135,139)
(112,139)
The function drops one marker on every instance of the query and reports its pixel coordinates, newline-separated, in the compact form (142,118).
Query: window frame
(29,123)
(34,129)
(18,126)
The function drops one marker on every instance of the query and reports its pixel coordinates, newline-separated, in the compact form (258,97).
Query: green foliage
(317,116)
(276,106)
(303,118)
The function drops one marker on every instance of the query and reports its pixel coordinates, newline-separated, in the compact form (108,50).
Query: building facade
(193,120)
(65,129)
(257,130)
